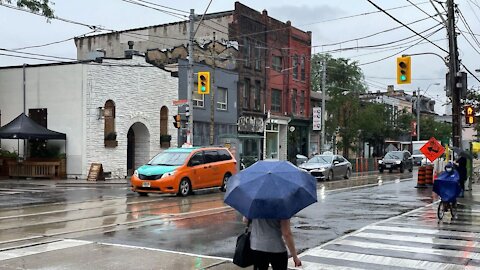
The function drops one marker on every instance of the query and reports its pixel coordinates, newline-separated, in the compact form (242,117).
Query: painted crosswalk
(414,240)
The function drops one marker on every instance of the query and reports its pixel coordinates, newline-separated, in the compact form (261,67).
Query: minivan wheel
(348,173)
(142,194)
(184,188)
(225,182)
(402,169)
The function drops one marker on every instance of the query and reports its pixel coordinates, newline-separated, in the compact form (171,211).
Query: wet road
(199,224)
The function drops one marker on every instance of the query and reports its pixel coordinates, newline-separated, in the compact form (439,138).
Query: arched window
(109,125)
(164,120)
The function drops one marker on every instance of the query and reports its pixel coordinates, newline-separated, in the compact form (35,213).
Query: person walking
(269,240)
(461,167)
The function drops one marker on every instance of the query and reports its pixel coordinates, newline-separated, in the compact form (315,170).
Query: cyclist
(447,186)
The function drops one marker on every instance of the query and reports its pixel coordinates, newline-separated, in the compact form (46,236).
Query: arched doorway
(138,146)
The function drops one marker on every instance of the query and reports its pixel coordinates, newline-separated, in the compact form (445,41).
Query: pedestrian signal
(469,114)
(404,70)
(177,119)
(203,82)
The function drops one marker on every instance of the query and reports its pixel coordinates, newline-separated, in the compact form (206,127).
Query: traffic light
(177,119)
(404,71)
(469,114)
(203,82)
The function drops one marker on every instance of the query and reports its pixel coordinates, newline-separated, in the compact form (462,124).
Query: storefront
(250,137)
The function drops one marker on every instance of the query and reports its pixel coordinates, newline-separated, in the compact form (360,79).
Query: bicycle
(444,207)
(447,186)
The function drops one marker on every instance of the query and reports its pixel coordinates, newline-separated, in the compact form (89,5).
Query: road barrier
(429,174)
(421,177)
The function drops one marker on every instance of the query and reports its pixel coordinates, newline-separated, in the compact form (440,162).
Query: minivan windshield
(321,159)
(169,159)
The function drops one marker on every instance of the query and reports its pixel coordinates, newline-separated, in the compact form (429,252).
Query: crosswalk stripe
(388,262)
(413,240)
(37,249)
(399,247)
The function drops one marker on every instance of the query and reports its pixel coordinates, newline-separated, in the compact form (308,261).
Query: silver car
(328,167)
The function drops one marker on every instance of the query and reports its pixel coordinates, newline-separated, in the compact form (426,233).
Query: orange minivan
(182,170)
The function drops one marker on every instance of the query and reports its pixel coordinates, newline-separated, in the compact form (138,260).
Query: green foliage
(41,150)
(42,7)
(7,154)
(430,128)
(165,138)
(345,81)
(111,136)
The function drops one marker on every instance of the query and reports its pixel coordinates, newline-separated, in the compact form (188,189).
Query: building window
(258,56)
(246,52)
(257,95)
(109,124)
(295,66)
(246,94)
(277,63)
(302,68)
(294,101)
(302,102)
(222,98)
(198,100)
(164,120)
(276,100)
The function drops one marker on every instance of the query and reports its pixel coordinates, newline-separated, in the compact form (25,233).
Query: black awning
(23,127)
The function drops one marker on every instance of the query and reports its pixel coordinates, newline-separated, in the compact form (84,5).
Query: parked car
(182,170)
(396,160)
(417,157)
(328,167)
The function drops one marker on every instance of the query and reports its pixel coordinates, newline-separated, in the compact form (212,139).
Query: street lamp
(417,108)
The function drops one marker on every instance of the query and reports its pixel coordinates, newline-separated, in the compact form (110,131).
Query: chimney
(390,89)
(130,52)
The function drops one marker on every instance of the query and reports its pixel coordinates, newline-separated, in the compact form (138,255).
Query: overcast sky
(325,18)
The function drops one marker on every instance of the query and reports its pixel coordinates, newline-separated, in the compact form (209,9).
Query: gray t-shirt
(266,235)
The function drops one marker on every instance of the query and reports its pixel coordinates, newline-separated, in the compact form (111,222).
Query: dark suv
(396,160)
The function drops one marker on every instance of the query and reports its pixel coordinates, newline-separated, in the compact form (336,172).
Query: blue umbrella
(271,190)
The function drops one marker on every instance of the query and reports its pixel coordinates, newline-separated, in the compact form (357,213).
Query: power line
(171,13)
(406,26)
(201,19)
(158,5)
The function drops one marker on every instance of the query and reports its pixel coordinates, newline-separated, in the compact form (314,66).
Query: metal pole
(453,69)
(417,107)
(324,89)
(191,27)
(212,97)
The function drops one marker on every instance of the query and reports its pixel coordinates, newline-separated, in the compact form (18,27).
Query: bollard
(421,177)
(429,175)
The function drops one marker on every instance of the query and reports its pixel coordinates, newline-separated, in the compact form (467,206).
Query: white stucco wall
(139,93)
(72,93)
(59,89)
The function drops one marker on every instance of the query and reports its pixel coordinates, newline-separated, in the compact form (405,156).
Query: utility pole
(324,90)
(191,26)
(212,96)
(453,70)
(417,109)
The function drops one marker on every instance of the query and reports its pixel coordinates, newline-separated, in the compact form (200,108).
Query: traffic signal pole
(453,70)
(191,26)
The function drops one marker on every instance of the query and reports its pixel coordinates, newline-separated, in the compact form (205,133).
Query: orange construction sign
(432,149)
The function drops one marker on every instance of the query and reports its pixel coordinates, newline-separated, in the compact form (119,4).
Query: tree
(345,82)
(42,7)
(431,128)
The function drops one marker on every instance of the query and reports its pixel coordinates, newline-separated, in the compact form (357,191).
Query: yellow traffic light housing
(203,82)
(404,70)
(177,122)
(469,114)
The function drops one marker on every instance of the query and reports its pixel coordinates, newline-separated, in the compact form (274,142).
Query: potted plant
(111,139)
(165,140)
(6,158)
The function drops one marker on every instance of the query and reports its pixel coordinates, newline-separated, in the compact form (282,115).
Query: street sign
(317,118)
(179,102)
(432,149)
